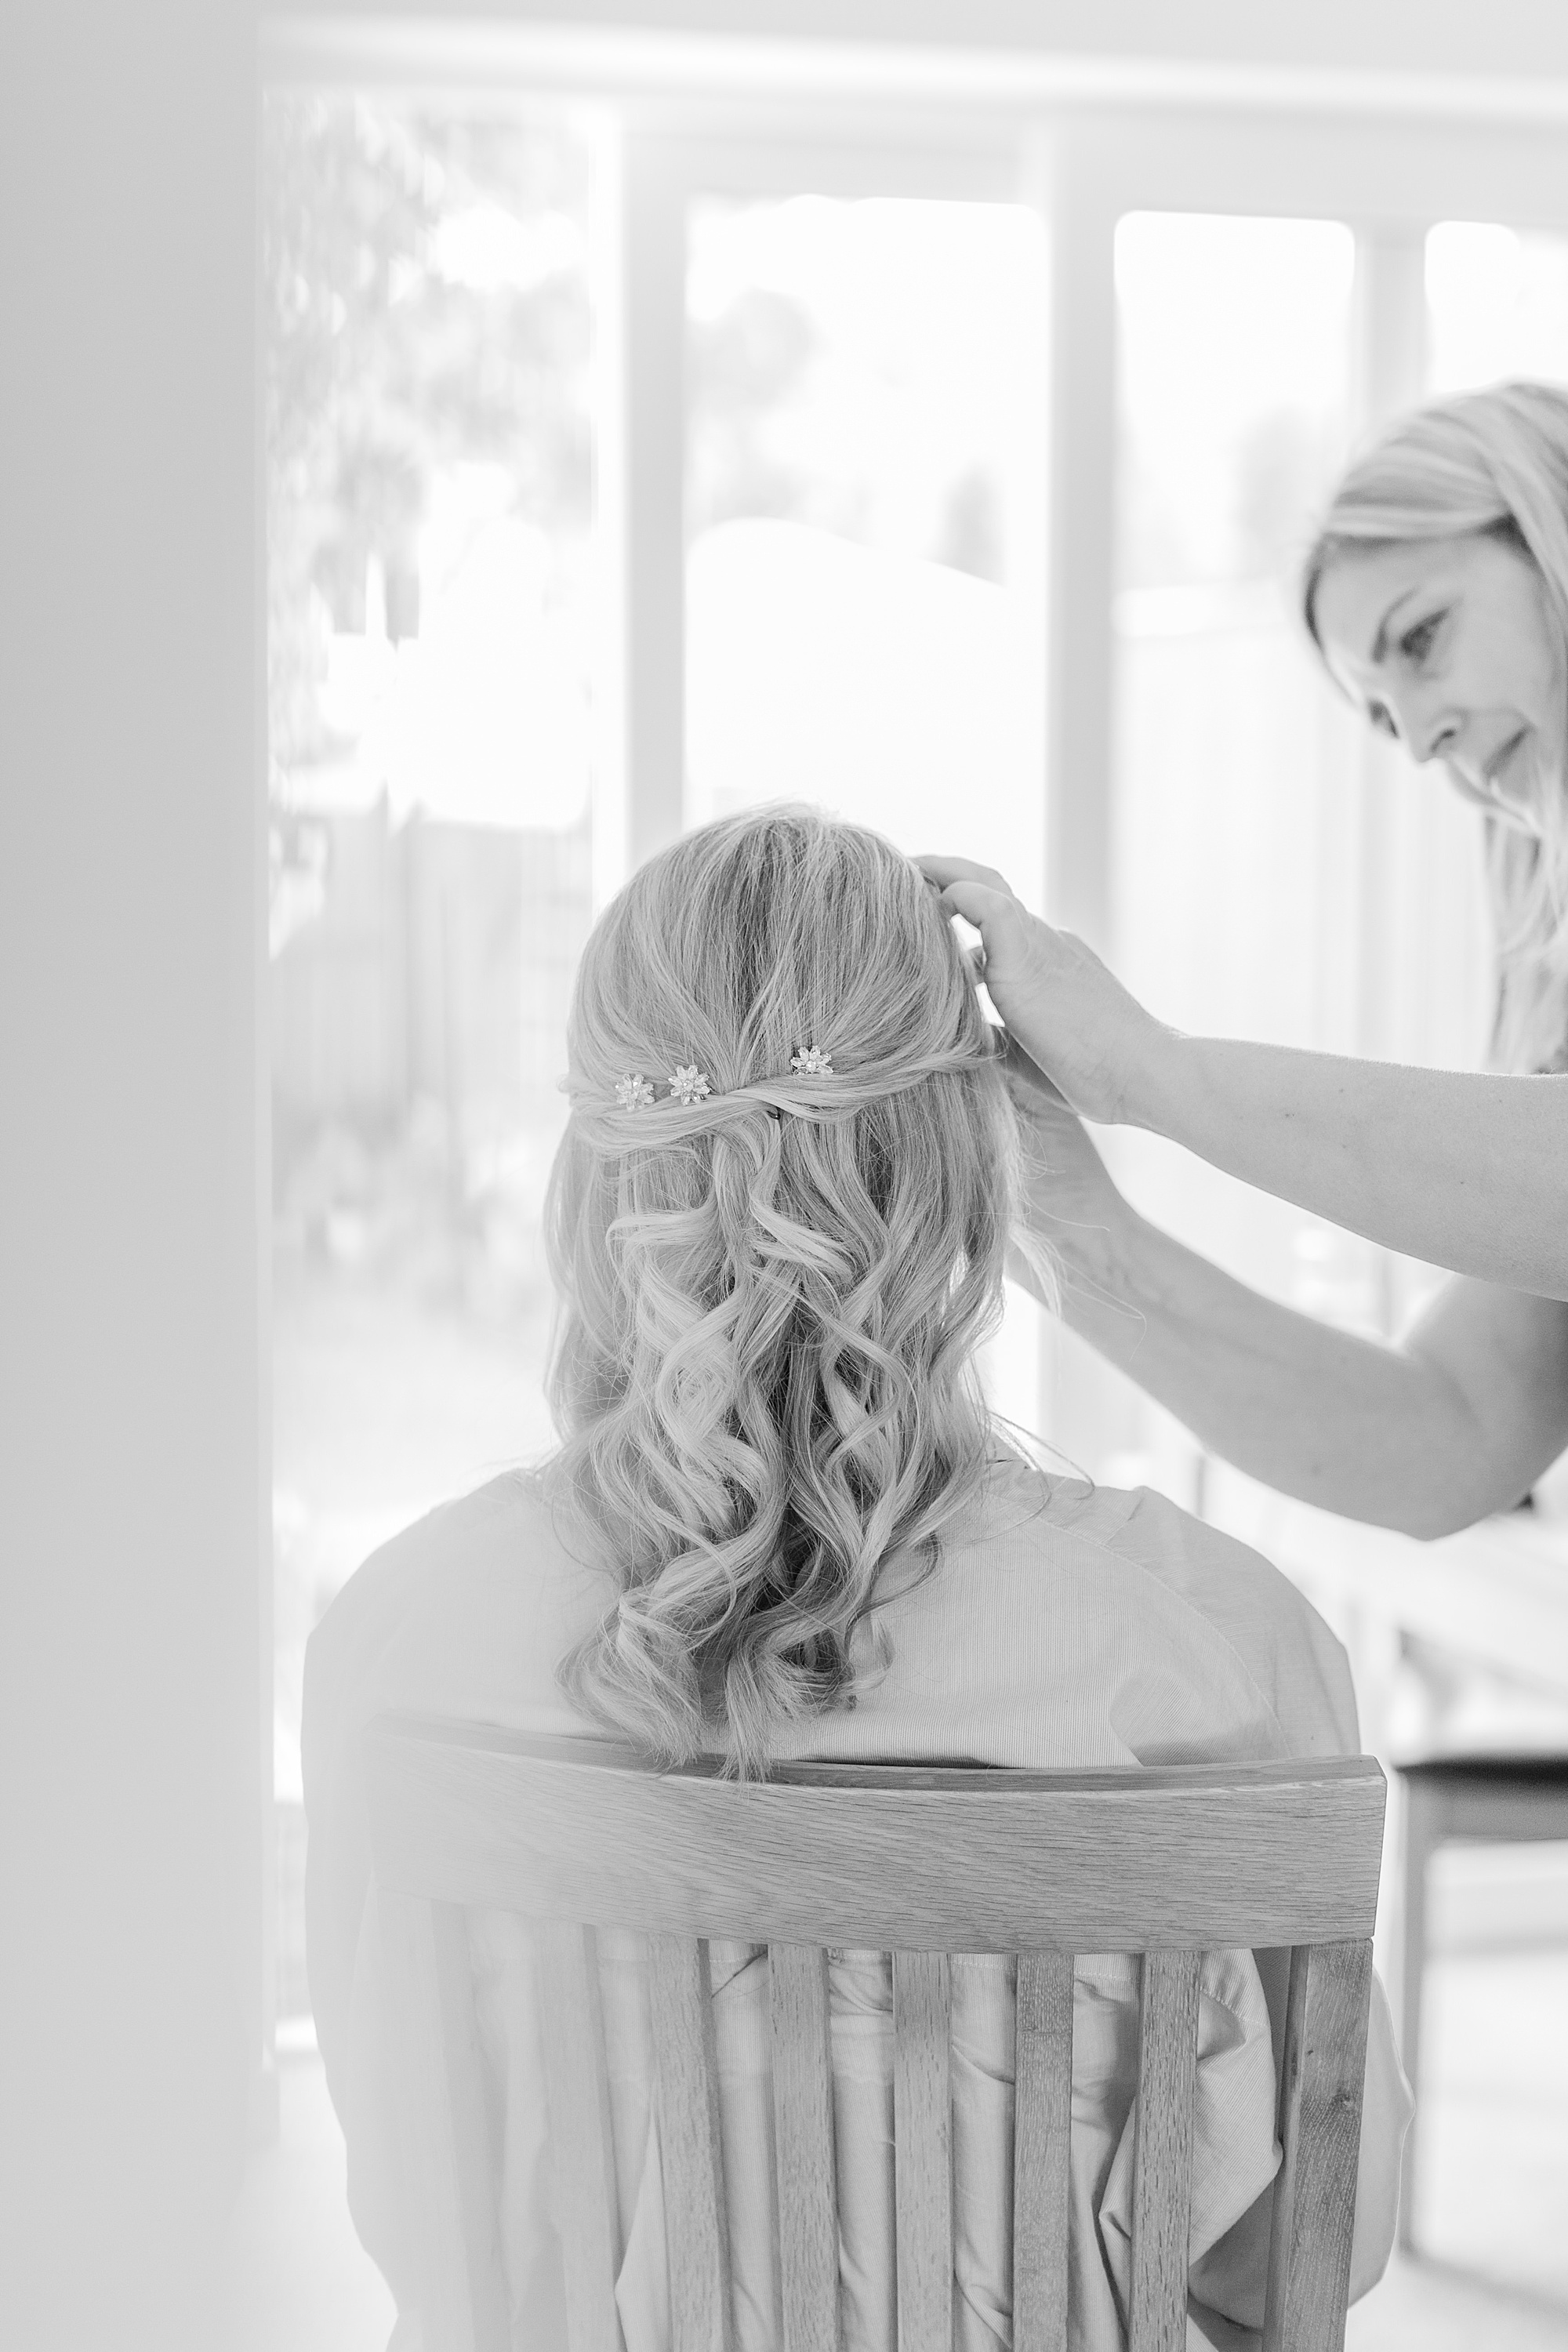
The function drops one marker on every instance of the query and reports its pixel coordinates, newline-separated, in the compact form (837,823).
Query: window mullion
(642,504)
(1080,496)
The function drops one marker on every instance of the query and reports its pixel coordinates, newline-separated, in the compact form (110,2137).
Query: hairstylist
(1437,596)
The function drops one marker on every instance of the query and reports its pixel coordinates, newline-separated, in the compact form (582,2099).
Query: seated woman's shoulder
(465,1612)
(502,1542)
(1062,1499)
(515,1501)
(1292,1655)
(487,1519)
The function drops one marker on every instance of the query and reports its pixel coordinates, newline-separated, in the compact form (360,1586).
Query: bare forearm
(1460,1170)
(1339,1421)
(1464,1171)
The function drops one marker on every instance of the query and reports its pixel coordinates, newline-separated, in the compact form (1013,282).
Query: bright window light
(1497,305)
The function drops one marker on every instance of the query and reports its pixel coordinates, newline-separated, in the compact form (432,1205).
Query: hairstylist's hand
(1072,1017)
(1069,1201)
(1066,1183)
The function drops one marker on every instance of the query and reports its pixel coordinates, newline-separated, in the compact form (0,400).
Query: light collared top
(1064,1626)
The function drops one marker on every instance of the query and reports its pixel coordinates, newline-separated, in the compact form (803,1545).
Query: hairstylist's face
(1450,645)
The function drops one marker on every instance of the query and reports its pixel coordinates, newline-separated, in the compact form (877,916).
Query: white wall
(129,1401)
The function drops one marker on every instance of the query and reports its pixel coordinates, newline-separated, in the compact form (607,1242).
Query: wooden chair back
(917,1863)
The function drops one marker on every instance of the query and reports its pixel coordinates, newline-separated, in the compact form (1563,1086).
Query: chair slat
(687,2090)
(577,2090)
(1162,2181)
(803,2129)
(447,2154)
(922,2159)
(1320,2127)
(1042,2122)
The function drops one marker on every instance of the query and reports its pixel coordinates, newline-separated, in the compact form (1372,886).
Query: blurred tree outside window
(429,486)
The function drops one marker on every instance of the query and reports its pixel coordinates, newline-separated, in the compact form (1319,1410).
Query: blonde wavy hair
(763,1375)
(1494,462)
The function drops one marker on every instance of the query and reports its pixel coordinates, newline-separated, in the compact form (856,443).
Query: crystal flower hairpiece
(690,1085)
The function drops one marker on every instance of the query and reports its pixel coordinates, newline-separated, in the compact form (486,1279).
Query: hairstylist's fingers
(943,870)
(1072,1017)
(990,905)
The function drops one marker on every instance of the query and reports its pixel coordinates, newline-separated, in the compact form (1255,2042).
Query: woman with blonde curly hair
(781,1521)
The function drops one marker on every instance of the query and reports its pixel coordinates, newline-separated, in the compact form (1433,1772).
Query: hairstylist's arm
(1464,1171)
(1456,1421)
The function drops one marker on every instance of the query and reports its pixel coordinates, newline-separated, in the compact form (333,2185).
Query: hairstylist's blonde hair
(770,1299)
(1493,461)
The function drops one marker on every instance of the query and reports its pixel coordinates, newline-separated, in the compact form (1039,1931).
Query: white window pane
(1236,774)
(1233,381)
(865,450)
(1497,305)
(429,492)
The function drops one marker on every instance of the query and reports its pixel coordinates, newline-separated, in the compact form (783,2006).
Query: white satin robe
(1066,1626)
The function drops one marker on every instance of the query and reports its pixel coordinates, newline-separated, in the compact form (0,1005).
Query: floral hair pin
(689,1085)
